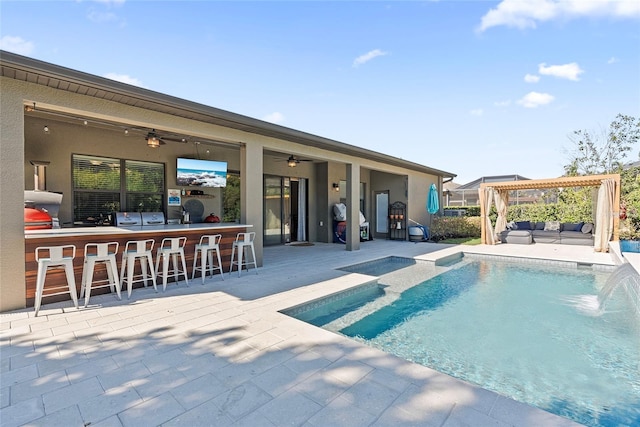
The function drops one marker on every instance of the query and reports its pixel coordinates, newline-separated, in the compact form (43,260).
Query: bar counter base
(81,236)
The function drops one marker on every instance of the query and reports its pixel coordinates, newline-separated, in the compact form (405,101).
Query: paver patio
(221,354)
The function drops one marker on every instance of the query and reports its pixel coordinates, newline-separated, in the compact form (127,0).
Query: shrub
(447,227)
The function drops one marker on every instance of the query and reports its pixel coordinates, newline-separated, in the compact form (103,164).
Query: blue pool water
(532,333)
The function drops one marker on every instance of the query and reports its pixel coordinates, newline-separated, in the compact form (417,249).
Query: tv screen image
(201,173)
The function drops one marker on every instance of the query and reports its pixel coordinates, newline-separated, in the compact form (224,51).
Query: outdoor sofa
(566,233)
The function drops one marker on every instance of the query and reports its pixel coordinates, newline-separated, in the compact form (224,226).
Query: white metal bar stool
(204,250)
(171,249)
(243,241)
(50,258)
(99,253)
(141,250)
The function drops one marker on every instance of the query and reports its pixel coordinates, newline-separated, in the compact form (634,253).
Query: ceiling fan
(293,161)
(154,140)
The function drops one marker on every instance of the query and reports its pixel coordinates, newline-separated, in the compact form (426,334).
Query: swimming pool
(524,331)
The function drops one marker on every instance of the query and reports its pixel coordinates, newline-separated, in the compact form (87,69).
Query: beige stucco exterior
(252,152)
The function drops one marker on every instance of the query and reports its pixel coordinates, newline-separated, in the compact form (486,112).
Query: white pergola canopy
(607,215)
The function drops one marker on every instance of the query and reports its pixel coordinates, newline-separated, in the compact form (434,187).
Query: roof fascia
(207,114)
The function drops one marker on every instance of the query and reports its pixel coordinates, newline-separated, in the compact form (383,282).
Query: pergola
(607,219)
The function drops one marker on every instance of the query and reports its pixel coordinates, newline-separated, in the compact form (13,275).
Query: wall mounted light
(126,132)
(85,123)
(46,130)
(336,187)
(292,162)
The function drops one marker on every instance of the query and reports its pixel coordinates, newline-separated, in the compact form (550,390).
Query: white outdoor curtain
(502,201)
(302,209)
(604,215)
(488,200)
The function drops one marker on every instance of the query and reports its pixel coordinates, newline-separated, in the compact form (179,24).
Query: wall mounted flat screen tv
(201,173)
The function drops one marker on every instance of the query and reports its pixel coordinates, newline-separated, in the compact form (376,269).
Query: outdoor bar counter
(82,235)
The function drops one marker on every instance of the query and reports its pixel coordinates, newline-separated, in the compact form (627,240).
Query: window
(231,198)
(102,185)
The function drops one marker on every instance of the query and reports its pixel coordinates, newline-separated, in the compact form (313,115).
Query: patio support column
(251,192)
(353,207)
(12,262)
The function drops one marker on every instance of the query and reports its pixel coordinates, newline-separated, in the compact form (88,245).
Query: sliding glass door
(285,210)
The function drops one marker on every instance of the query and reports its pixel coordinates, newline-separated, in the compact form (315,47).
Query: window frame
(123,194)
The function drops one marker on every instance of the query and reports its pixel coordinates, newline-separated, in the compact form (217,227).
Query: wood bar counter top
(82,235)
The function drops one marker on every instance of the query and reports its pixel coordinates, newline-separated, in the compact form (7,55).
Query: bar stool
(51,258)
(243,241)
(208,244)
(171,247)
(141,250)
(99,253)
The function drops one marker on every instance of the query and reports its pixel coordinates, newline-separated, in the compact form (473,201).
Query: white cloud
(368,57)
(123,78)
(570,71)
(111,2)
(274,117)
(98,17)
(502,104)
(477,112)
(527,14)
(16,45)
(613,60)
(531,78)
(535,99)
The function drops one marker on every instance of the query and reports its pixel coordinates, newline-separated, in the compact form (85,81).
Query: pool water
(529,332)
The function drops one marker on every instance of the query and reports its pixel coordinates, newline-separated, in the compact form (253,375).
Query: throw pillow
(523,225)
(511,226)
(587,228)
(539,225)
(579,226)
(552,226)
(569,226)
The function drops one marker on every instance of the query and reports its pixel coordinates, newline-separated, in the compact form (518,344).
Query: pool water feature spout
(626,277)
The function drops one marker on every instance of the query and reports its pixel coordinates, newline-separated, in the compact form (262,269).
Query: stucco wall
(12,290)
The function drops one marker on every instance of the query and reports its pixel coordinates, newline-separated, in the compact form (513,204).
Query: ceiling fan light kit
(293,161)
(152,139)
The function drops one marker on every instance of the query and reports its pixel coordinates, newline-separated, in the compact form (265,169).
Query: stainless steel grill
(128,219)
(137,219)
(152,218)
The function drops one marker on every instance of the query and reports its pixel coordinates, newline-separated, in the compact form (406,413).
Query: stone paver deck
(221,354)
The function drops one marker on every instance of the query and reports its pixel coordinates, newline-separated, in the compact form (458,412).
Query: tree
(604,152)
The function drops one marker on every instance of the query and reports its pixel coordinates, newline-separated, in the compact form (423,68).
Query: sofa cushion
(523,225)
(571,226)
(587,228)
(552,226)
(539,225)
(541,236)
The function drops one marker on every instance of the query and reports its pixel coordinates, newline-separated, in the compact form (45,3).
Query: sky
(475,88)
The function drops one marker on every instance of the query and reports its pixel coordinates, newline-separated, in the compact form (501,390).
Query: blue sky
(471,87)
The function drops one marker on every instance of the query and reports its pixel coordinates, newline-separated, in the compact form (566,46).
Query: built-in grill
(152,218)
(137,219)
(128,219)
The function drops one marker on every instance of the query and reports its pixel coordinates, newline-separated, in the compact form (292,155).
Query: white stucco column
(353,207)
(12,282)
(251,192)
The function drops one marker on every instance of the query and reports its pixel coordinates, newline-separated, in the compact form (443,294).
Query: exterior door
(275,228)
(382,213)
